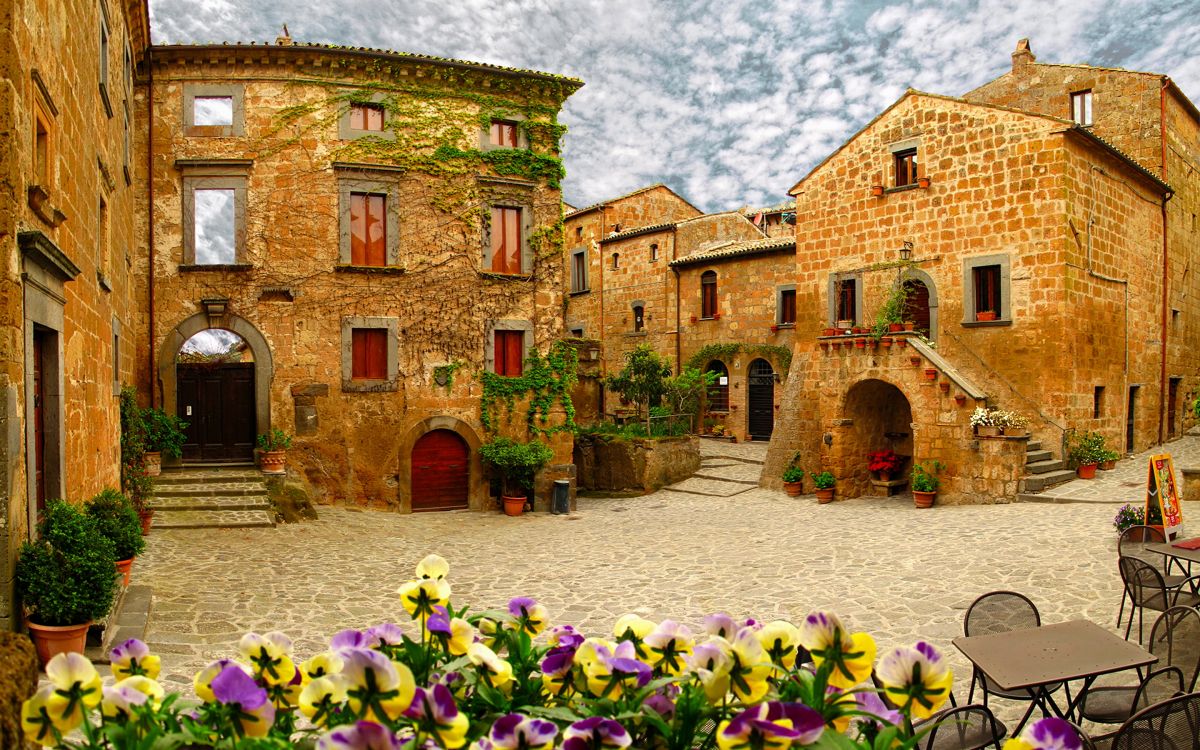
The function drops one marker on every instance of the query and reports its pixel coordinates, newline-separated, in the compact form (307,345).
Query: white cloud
(728,101)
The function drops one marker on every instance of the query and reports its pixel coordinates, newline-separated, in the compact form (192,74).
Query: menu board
(1161,493)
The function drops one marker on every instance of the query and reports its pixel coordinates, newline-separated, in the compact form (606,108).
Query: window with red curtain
(987,289)
(504,133)
(708,294)
(506,239)
(787,306)
(369,354)
(509,347)
(366,117)
(368,229)
(846,300)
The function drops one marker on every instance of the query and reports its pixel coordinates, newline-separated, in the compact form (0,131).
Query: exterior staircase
(1043,470)
(202,496)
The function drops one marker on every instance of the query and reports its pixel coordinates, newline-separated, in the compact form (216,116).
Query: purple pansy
(558,661)
(1052,733)
(806,725)
(435,703)
(233,685)
(517,731)
(721,625)
(386,634)
(363,735)
(519,606)
(594,733)
(348,639)
(439,621)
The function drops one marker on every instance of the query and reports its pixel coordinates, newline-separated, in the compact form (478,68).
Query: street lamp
(906,250)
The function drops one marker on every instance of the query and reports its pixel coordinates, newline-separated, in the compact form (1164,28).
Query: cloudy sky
(729,102)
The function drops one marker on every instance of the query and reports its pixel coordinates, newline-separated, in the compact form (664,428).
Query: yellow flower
(495,670)
(781,640)
(319,696)
(372,681)
(420,597)
(73,672)
(136,690)
(668,645)
(917,680)
(47,712)
(712,661)
(321,665)
(588,653)
(202,682)
(433,566)
(851,657)
(750,670)
(271,656)
(462,635)
(632,628)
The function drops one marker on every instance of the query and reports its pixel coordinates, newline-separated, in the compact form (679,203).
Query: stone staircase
(202,496)
(1043,470)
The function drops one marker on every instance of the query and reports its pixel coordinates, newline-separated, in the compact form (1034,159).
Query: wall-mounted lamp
(906,250)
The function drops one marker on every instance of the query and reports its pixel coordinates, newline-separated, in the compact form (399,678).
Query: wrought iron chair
(1173,724)
(1000,612)
(970,727)
(1132,543)
(1147,590)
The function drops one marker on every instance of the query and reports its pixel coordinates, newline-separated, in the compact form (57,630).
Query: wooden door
(439,472)
(217,402)
(1172,406)
(916,307)
(1130,414)
(761,411)
(39,418)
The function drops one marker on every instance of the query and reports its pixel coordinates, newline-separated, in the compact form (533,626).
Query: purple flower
(348,639)
(519,606)
(517,731)
(870,703)
(1052,733)
(565,636)
(386,634)
(759,725)
(364,735)
(233,685)
(594,733)
(439,621)
(663,701)
(720,625)
(624,661)
(558,661)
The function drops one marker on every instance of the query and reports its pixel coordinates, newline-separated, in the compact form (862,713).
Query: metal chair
(1132,543)
(1000,612)
(1173,724)
(1147,590)
(970,727)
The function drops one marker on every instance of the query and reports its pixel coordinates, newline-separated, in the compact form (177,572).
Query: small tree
(684,392)
(642,381)
(135,483)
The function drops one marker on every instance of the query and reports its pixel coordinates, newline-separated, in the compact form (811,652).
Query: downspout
(1162,385)
(604,354)
(678,294)
(150,217)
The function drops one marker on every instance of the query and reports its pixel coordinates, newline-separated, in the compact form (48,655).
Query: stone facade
(291,161)
(1072,230)
(68,241)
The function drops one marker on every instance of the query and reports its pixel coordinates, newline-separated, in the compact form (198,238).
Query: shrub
(69,575)
(135,483)
(118,522)
(884,460)
(1086,448)
(517,463)
(275,440)
(643,380)
(925,476)
(164,432)
(793,474)
(824,480)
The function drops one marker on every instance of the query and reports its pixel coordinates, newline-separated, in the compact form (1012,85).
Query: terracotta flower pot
(830,332)
(793,489)
(930,373)
(273,462)
(960,399)
(51,640)
(885,476)
(909,325)
(901,342)
(1109,465)
(923,499)
(886,341)
(123,567)
(146,516)
(824,496)
(987,430)
(945,386)
(514,505)
(894,327)
(922,182)
(915,359)
(152,463)
(1086,471)
(877,190)
(985,316)
(860,343)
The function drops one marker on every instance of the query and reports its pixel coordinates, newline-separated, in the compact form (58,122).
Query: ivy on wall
(781,355)
(547,380)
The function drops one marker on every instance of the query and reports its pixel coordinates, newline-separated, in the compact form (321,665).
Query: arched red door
(916,307)
(440,471)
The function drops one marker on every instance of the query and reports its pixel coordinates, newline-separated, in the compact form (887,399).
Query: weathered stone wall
(51,72)
(292,287)
(605,463)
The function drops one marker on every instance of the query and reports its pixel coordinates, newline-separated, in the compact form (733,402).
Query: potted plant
(793,478)
(164,434)
(984,422)
(517,464)
(65,579)
(1084,451)
(274,445)
(884,463)
(925,481)
(1129,515)
(823,484)
(1110,460)
(1010,423)
(118,522)
(890,316)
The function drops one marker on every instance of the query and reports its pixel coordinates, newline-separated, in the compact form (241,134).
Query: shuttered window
(506,239)
(366,117)
(503,134)
(987,290)
(369,354)
(509,352)
(846,301)
(368,229)
(787,306)
(708,294)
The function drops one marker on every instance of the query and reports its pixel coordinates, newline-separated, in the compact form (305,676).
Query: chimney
(1023,58)
(285,40)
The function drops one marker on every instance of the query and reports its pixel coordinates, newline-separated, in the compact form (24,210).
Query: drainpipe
(600,291)
(150,217)
(1162,385)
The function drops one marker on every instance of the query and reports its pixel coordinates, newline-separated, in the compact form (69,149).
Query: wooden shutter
(368,229)
(506,239)
(846,301)
(708,294)
(788,313)
(369,354)
(504,134)
(509,352)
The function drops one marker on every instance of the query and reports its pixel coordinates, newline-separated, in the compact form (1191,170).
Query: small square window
(503,134)
(369,354)
(366,117)
(579,232)
(906,167)
(1081,107)
(212,110)
(368,229)
(654,252)
(616,261)
(787,307)
(509,352)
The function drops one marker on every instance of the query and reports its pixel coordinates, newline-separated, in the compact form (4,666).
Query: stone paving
(885,567)
(1126,483)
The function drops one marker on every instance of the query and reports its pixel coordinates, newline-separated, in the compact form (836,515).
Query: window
(41,147)
(212,110)
(507,242)
(214,214)
(128,71)
(215,240)
(708,294)
(579,281)
(509,348)
(987,292)
(125,151)
(579,232)
(116,356)
(368,229)
(1097,402)
(1081,107)
(101,239)
(369,354)
(906,167)
(503,134)
(366,117)
(103,61)
(847,300)
(616,260)
(639,318)
(654,252)
(785,314)
(718,392)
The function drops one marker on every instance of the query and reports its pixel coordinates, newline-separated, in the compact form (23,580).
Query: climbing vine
(545,379)
(726,352)
(443,375)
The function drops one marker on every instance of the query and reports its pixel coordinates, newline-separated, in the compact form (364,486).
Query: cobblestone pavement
(885,567)
(1127,482)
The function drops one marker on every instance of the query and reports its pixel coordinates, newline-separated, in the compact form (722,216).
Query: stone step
(1045,467)
(189,476)
(1035,456)
(212,489)
(1033,445)
(211,519)
(749,482)
(1039,482)
(235,502)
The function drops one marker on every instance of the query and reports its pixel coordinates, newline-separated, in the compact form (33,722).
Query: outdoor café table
(1170,550)
(1034,658)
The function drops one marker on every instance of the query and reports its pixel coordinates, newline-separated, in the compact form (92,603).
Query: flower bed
(452,679)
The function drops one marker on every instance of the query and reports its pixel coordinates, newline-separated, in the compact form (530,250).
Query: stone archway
(476,491)
(879,416)
(264,365)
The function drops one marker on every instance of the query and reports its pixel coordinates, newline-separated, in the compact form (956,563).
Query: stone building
(68,243)
(379,228)
(1032,250)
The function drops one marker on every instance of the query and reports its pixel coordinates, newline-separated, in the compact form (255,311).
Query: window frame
(369,337)
(105,42)
(781,292)
(213,176)
(485,133)
(370,185)
(350,384)
(506,325)
(347,133)
(526,227)
(193,91)
(970,313)
(710,308)
(579,282)
(638,309)
(835,284)
(1086,119)
(908,157)
(43,164)
(653,252)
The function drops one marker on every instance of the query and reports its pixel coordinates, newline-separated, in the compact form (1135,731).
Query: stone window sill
(493,275)
(785,325)
(900,188)
(368,386)
(636,333)
(986,323)
(348,268)
(223,267)
(579,292)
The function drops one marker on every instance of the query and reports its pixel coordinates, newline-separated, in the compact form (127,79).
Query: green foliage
(684,393)
(925,476)
(275,440)
(824,480)
(780,355)
(517,463)
(1086,447)
(515,162)
(117,521)
(69,575)
(642,381)
(164,432)
(135,483)
(445,373)
(545,379)
(1129,515)
(793,474)
(891,311)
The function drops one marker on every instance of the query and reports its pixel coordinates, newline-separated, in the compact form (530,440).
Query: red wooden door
(439,472)
(917,306)
(39,420)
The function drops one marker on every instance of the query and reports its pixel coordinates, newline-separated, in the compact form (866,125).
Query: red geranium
(885,460)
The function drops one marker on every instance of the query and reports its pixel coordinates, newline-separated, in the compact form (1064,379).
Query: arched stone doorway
(440,471)
(921,302)
(412,480)
(257,351)
(760,398)
(880,418)
(214,381)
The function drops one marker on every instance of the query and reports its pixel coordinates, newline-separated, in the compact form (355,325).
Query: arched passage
(259,352)
(214,381)
(881,418)
(440,471)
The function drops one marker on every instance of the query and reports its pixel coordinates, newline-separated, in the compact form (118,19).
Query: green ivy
(726,352)
(514,162)
(447,372)
(546,380)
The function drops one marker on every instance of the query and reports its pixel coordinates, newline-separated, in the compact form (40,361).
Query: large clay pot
(51,640)
(987,430)
(825,496)
(1086,471)
(514,505)
(793,489)
(123,567)
(923,499)
(273,462)
(146,517)
(152,463)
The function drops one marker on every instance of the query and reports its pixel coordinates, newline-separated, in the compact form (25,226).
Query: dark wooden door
(1130,421)
(439,472)
(916,307)
(39,419)
(1172,406)
(217,402)
(761,412)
